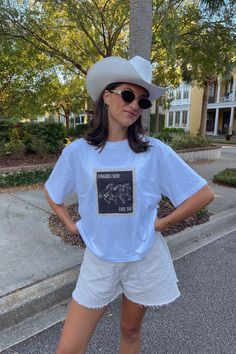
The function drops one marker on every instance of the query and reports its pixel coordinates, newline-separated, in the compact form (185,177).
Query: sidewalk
(38,270)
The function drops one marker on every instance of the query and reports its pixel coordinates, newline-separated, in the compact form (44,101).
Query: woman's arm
(62,213)
(193,204)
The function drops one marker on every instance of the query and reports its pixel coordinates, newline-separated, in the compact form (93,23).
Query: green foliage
(47,47)
(173,130)
(38,145)
(71,132)
(53,134)
(178,139)
(167,134)
(5,129)
(187,141)
(14,146)
(81,129)
(24,178)
(226,177)
(39,138)
(202,213)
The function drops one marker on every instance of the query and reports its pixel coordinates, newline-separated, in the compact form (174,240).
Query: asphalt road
(201,321)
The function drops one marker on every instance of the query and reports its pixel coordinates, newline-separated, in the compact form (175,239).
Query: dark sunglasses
(129,96)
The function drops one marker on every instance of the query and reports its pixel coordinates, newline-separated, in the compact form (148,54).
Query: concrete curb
(216,221)
(23,303)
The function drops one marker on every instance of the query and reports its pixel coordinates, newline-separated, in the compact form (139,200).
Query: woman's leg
(78,328)
(131,320)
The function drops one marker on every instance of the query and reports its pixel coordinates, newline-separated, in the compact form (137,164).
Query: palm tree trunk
(140,37)
(204,110)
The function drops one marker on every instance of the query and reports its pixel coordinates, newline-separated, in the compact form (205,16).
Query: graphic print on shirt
(115,192)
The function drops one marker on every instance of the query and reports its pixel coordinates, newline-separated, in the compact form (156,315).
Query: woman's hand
(160,224)
(62,213)
(194,203)
(72,228)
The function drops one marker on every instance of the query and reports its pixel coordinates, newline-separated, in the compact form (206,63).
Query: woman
(120,175)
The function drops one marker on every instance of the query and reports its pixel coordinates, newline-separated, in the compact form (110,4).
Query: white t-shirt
(118,193)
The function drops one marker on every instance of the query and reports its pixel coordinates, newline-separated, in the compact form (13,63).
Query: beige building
(185,108)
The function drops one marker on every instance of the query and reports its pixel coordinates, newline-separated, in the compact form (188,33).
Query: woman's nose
(134,104)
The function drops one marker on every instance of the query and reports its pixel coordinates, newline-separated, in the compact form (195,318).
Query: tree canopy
(47,47)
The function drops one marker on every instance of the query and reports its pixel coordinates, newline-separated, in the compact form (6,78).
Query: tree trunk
(67,118)
(157,117)
(140,38)
(204,110)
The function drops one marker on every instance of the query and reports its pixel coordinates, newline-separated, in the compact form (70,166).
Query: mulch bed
(58,229)
(27,159)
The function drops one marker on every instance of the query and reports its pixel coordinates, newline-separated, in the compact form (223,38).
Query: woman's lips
(130,114)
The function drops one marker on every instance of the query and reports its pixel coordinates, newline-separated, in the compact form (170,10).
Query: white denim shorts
(150,281)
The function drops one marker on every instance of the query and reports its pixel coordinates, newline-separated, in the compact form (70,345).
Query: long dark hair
(97,132)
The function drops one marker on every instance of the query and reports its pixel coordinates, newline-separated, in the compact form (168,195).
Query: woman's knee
(130,332)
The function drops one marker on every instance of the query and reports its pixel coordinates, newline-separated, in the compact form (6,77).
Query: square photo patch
(115,192)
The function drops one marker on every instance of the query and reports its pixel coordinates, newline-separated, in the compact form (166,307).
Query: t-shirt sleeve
(61,182)
(178,181)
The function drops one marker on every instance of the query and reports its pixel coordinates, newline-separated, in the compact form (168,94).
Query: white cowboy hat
(115,69)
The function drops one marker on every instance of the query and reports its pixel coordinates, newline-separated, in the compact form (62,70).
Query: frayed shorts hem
(153,305)
(141,304)
(94,307)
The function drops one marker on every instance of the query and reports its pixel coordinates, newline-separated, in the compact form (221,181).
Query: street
(201,321)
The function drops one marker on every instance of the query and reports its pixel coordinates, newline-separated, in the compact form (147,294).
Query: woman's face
(122,114)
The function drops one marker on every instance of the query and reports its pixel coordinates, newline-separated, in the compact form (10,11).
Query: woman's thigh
(79,325)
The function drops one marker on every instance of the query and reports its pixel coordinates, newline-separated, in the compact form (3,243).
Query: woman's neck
(117,135)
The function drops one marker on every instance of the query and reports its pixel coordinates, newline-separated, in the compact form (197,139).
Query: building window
(178,93)
(212,90)
(229,87)
(170,121)
(184,118)
(186,90)
(171,94)
(177,119)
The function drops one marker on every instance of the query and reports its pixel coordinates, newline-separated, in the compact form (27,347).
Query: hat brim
(115,69)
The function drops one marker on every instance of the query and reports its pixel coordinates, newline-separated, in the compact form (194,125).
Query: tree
(197,36)
(72,36)
(68,36)
(140,36)
(75,33)
(210,52)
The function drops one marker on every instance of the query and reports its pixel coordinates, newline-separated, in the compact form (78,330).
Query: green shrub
(24,178)
(6,127)
(81,129)
(38,145)
(51,132)
(2,148)
(14,146)
(226,177)
(173,130)
(202,213)
(33,137)
(71,132)
(167,134)
(186,141)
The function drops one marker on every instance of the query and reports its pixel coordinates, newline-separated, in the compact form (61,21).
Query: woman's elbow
(209,194)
